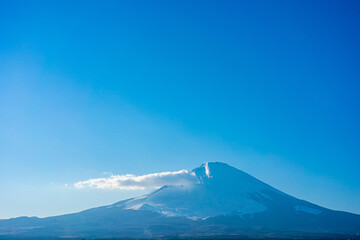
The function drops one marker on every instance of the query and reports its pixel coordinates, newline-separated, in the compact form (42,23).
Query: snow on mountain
(219,190)
(218,201)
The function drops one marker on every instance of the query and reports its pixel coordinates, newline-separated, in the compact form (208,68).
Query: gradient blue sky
(90,88)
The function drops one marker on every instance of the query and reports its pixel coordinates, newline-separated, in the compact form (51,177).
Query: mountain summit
(219,190)
(220,201)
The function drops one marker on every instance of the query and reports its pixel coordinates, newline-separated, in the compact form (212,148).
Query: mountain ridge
(221,201)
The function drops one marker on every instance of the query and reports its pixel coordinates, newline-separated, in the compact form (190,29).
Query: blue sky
(89,89)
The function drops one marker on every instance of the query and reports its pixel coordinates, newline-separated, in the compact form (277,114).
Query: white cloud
(132,182)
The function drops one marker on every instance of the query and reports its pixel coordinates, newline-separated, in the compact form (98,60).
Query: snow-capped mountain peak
(220,190)
(215,200)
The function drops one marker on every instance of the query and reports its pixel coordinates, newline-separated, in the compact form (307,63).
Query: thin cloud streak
(133,182)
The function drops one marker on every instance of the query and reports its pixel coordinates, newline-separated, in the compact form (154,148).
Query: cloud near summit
(133,182)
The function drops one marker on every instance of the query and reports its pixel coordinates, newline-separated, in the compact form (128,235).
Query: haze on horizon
(90,90)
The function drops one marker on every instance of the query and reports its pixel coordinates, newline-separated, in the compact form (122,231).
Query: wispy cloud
(132,182)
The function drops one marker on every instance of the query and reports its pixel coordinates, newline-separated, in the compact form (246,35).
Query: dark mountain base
(225,237)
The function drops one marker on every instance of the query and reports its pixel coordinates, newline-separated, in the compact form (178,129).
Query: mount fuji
(222,202)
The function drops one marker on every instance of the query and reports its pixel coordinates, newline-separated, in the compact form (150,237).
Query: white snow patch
(197,218)
(261,194)
(169,214)
(308,210)
(207,170)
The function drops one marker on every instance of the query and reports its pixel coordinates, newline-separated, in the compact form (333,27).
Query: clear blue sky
(89,88)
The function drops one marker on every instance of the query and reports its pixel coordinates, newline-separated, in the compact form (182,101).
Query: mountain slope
(220,190)
(222,201)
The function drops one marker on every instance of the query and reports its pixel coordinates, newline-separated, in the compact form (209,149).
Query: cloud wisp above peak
(133,182)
